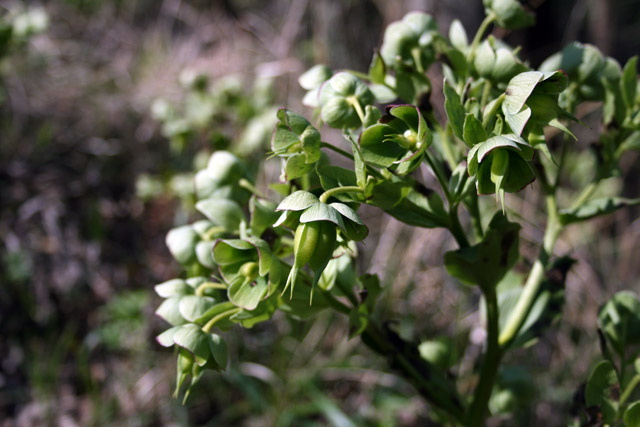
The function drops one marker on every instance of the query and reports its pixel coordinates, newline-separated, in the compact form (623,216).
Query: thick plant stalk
(536,276)
(478,410)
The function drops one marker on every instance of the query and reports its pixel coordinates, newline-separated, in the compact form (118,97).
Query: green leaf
(439,352)
(192,338)
(619,320)
(358,164)
(204,254)
(297,201)
(263,215)
(347,212)
(454,108)
(629,82)
(315,76)
(225,168)
(632,415)
(472,131)
(322,212)
(226,213)
(173,287)
(632,142)
(519,89)
(246,294)
(509,14)
(358,320)
(218,348)
(602,391)
(596,207)
(165,339)
(264,312)
(296,166)
(375,148)
(377,69)
(232,251)
(334,177)
(170,312)
(181,242)
(193,307)
(487,262)
(458,36)
(484,60)
(400,200)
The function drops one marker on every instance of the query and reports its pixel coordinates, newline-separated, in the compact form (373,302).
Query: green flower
(343,99)
(500,165)
(316,224)
(400,138)
(531,100)
(410,42)
(509,13)
(496,63)
(297,142)
(249,269)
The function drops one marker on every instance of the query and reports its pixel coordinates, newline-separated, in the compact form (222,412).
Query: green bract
(343,99)
(497,64)
(585,64)
(509,13)
(409,42)
(400,138)
(311,81)
(297,142)
(249,269)
(500,163)
(531,100)
(304,207)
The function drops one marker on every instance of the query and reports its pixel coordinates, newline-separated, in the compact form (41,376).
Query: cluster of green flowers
(251,249)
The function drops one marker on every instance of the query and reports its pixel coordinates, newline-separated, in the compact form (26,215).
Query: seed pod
(313,244)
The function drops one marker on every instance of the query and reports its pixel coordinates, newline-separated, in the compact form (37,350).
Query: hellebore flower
(343,99)
(497,64)
(410,42)
(312,80)
(249,269)
(399,138)
(585,64)
(509,13)
(531,101)
(500,165)
(316,224)
(297,142)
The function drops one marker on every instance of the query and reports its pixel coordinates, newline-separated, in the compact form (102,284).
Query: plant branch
(333,191)
(536,276)
(492,356)
(405,358)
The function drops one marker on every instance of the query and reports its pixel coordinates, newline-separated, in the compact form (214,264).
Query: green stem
(586,193)
(215,319)
(536,276)
(486,91)
(244,183)
(488,115)
(456,228)
(209,285)
(405,358)
(333,191)
(491,17)
(478,410)
(439,173)
(629,389)
(337,150)
(473,206)
(353,100)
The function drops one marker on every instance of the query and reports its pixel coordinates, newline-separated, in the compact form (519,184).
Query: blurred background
(101,131)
